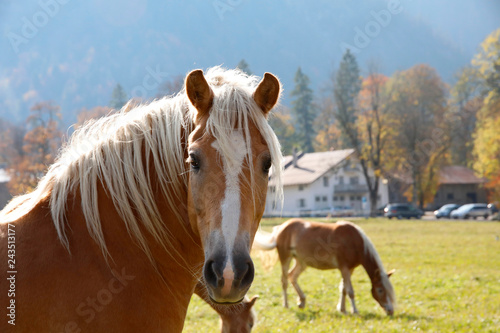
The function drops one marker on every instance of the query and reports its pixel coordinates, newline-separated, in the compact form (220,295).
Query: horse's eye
(267,165)
(380,291)
(194,161)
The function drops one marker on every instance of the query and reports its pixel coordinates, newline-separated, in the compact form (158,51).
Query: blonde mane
(116,151)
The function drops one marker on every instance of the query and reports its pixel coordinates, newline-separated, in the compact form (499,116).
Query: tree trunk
(374,197)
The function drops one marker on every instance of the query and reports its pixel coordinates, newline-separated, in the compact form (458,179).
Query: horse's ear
(252,301)
(267,93)
(389,274)
(199,92)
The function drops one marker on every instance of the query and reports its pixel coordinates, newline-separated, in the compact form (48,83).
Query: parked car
(471,210)
(338,211)
(402,211)
(445,211)
(493,208)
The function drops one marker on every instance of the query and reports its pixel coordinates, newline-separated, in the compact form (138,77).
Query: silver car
(471,210)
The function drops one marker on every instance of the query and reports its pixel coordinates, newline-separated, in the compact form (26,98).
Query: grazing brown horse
(138,207)
(341,245)
(238,318)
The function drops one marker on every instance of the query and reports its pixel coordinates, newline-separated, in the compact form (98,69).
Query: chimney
(295,151)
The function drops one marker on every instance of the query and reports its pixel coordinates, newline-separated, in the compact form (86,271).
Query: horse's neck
(371,265)
(181,254)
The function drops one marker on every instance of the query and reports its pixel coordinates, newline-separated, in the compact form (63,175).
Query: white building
(322,183)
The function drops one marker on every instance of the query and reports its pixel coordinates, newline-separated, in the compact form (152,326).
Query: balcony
(350,188)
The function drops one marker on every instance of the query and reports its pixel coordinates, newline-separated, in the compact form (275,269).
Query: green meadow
(447,280)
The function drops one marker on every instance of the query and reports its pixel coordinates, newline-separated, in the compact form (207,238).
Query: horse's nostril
(248,275)
(210,274)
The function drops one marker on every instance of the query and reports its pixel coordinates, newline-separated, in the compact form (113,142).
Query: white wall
(292,194)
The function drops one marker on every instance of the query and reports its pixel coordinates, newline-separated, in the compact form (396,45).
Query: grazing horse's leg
(293,276)
(341,304)
(348,289)
(285,265)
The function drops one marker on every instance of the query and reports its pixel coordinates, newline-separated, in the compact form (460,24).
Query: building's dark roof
(456,174)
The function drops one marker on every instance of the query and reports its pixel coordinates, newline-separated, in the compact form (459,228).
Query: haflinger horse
(341,245)
(237,318)
(138,207)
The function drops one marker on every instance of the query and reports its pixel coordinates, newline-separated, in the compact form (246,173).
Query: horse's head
(240,320)
(383,292)
(230,152)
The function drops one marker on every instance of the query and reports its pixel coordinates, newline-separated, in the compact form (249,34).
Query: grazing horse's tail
(265,241)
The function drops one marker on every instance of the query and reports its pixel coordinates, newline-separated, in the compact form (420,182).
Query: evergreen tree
(360,115)
(346,90)
(244,67)
(118,97)
(304,111)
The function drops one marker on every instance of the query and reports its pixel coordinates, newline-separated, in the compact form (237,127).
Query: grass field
(447,280)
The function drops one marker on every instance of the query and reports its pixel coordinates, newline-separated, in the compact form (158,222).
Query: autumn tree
(360,113)
(487,61)
(464,103)
(118,97)
(420,143)
(40,146)
(487,133)
(304,111)
(328,134)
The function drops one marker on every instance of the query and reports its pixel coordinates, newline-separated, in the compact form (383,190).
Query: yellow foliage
(487,139)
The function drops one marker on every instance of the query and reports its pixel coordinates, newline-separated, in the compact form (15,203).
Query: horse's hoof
(302,304)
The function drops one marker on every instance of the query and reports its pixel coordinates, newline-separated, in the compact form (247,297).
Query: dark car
(402,211)
(493,208)
(445,211)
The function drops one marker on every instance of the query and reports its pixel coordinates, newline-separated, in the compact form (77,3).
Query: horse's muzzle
(228,278)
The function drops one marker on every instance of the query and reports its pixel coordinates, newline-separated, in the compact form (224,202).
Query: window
(274,204)
(273,189)
(326,182)
(341,180)
(317,198)
(302,203)
(358,198)
(324,199)
(354,180)
(301,187)
(352,198)
(341,198)
(335,198)
(450,196)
